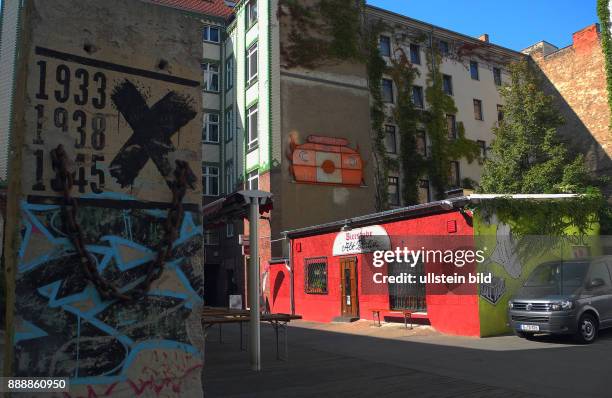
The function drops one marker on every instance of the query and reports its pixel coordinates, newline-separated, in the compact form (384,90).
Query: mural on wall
(325,160)
(109,267)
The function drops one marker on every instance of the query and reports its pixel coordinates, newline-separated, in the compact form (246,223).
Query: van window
(599,270)
(557,278)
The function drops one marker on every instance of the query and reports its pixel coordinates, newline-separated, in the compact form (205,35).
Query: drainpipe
(290,267)
(254,299)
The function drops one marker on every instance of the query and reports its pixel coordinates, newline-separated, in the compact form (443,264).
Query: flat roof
(425,209)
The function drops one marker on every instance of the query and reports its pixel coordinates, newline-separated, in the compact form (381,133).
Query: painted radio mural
(125,132)
(325,160)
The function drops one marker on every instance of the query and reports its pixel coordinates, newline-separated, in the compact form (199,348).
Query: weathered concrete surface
(117,83)
(359,360)
(576,77)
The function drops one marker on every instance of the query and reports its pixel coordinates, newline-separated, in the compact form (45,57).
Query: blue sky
(515,24)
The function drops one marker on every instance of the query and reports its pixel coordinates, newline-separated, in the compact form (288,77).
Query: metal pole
(254,285)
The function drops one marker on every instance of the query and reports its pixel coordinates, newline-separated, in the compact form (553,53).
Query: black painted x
(153,127)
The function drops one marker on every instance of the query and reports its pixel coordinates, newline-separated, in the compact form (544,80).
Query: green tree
(527,155)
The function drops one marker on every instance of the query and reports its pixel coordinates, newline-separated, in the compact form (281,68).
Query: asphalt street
(360,360)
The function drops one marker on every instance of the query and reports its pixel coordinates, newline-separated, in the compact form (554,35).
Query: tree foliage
(527,155)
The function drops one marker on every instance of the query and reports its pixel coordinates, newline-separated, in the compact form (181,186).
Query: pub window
(315,281)
(385,46)
(390,139)
(387,90)
(417,96)
(393,190)
(478,109)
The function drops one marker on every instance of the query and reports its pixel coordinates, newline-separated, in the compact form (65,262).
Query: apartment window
(252,64)
(417,96)
(415,54)
(210,132)
(421,142)
(451,125)
(483,148)
(229,125)
(229,230)
(497,76)
(390,139)
(474,70)
(454,177)
(444,47)
(211,237)
(252,12)
(500,112)
(447,84)
(393,190)
(229,177)
(210,180)
(253,180)
(211,77)
(229,73)
(385,46)
(424,196)
(387,90)
(252,127)
(315,281)
(211,34)
(478,109)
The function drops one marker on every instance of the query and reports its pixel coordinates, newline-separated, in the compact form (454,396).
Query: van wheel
(587,329)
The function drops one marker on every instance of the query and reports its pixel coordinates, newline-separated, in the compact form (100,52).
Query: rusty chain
(183,177)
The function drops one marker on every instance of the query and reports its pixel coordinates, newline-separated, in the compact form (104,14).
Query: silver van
(565,297)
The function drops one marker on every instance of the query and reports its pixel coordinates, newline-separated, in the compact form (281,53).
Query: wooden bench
(407,314)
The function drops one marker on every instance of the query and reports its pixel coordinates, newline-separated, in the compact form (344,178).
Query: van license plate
(530,328)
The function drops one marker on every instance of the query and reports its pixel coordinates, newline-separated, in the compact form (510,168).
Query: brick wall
(575,75)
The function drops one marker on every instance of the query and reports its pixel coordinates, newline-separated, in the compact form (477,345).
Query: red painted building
(332,280)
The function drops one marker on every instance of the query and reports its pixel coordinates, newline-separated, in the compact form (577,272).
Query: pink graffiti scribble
(140,386)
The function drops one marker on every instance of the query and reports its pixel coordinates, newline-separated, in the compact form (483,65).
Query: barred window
(316,275)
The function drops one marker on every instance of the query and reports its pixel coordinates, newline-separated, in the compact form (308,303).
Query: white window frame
(252,176)
(252,142)
(209,76)
(208,123)
(207,176)
(380,40)
(397,186)
(206,34)
(229,230)
(388,129)
(252,52)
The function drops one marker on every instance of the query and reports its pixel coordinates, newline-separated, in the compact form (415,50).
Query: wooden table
(218,316)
